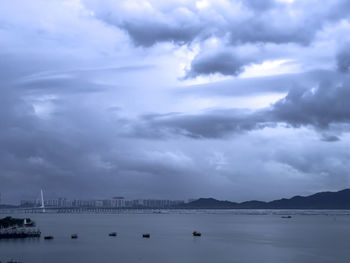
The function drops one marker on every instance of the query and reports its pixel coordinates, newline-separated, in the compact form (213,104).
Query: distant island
(322,200)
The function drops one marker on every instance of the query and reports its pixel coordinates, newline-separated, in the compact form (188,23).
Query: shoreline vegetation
(18,228)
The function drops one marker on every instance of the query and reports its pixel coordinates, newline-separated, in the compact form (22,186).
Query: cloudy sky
(238,100)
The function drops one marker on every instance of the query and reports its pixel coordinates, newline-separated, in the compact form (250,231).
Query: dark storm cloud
(275,22)
(14,112)
(175,24)
(280,26)
(343,58)
(79,143)
(316,107)
(223,62)
(251,23)
(75,98)
(149,33)
(248,22)
(35,153)
(261,30)
(330,138)
(209,125)
(78,151)
(213,124)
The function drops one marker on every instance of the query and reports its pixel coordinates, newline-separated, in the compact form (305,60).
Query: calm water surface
(226,237)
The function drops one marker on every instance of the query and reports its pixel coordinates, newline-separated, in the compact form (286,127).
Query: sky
(237,100)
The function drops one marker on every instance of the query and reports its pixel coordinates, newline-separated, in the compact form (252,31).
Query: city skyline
(116,202)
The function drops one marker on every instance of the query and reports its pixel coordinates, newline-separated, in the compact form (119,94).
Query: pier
(19,233)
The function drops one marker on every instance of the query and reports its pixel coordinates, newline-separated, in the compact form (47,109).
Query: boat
(74,236)
(196,234)
(147,235)
(48,237)
(113,234)
(286,216)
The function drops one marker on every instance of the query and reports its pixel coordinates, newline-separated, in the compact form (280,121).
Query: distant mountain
(322,200)
(207,203)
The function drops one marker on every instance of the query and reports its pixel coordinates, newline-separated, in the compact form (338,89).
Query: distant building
(118,202)
(115,202)
(98,203)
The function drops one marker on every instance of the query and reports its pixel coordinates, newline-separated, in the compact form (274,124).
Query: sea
(227,236)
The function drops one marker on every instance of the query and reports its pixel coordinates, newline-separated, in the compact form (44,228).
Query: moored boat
(196,234)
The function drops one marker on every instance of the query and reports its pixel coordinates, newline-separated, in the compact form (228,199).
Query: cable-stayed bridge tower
(42,201)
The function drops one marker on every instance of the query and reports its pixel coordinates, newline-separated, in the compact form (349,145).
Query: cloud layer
(175,99)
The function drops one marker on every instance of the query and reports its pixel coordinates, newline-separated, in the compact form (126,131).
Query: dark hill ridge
(322,200)
(211,203)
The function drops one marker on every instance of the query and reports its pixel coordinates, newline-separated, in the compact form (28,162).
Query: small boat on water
(74,236)
(196,234)
(286,216)
(146,235)
(48,237)
(113,234)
